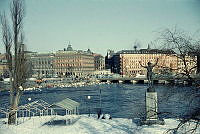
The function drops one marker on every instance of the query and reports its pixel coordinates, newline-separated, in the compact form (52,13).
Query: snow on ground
(82,124)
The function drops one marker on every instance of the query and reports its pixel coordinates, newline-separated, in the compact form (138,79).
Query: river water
(118,100)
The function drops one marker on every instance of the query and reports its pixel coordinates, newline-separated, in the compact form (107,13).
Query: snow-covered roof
(67,104)
(36,105)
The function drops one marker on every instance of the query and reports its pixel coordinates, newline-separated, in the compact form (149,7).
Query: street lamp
(100,109)
(100,98)
(29,110)
(29,99)
(89,97)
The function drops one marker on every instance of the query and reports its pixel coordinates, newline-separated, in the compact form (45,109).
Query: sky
(100,25)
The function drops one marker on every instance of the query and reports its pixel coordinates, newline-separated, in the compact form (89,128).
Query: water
(118,100)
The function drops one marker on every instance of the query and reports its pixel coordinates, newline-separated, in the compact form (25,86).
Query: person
(99,112)
(149,68)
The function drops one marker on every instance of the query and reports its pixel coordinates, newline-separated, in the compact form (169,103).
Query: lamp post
(51,70)
(100,99)
(29,99)
(100,109)
(89,97)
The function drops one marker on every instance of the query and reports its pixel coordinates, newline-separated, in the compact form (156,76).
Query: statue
(149,68)
(151,99)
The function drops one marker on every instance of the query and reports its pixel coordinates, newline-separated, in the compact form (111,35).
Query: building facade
(3,66)
(99,62)
(42,64)
(128,62)
(69,62)
(66,63)
(108,59)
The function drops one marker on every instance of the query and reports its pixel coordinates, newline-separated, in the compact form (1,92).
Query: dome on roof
(69,48)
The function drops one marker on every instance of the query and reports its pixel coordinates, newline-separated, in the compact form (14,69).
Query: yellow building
(74,63)
(127,62)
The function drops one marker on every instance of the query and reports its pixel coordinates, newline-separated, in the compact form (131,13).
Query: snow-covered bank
(83,124)
(63,85)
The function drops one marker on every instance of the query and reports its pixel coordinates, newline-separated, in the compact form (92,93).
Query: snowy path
(84,125)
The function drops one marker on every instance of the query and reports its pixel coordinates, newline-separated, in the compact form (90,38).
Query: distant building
(108,59)
(3,66)
(69,62)
(65,63)
(126,62)
(99,62)
(42,64)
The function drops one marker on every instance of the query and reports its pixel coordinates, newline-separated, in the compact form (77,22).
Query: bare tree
(187,52)
(13,38)
(186,49)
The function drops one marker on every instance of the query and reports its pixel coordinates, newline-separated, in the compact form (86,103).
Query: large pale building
(66,63)
(69,62)
(42,64)
(127,62)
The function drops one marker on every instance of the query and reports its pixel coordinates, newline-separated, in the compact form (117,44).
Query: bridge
(156,80)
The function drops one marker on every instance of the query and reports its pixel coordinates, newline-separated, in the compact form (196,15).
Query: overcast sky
(102,24)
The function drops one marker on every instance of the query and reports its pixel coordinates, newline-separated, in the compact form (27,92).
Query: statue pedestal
(152,108)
